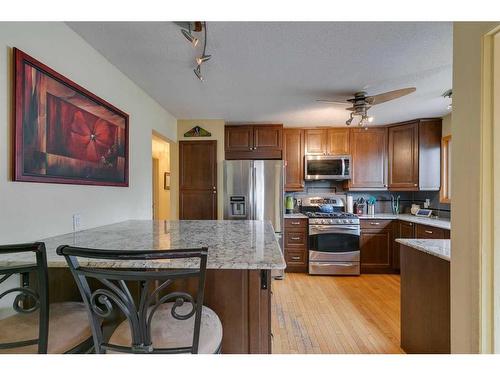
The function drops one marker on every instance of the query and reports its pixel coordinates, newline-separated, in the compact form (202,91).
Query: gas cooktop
(333,218)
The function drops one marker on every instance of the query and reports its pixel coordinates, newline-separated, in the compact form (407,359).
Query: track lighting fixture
(197,72)
(186,29)
(187,34)
(201,59)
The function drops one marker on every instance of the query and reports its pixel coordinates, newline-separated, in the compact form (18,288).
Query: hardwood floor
(326,314)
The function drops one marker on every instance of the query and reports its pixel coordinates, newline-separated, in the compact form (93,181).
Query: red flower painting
(64,133)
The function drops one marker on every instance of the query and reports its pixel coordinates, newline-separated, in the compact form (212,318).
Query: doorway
(160,151)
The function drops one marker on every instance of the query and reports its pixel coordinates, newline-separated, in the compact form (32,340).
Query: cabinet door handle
(374,223)
(428,231)
(250,148)
(295,238)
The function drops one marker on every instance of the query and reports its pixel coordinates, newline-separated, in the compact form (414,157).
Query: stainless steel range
(333,237)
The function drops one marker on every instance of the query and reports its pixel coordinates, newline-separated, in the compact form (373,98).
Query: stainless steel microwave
(327,167)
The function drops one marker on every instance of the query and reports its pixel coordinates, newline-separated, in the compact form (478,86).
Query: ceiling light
(201,59)
(370,118)
(193,40)
(348,122)
(197,72)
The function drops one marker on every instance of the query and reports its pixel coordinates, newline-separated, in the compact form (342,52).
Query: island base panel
(241,299)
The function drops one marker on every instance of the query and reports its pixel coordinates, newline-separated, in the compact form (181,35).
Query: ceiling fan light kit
(361,103)
(197,27)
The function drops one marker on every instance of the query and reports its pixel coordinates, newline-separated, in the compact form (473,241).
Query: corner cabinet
(293,155)
(415,155)
(368,149)
(263,141)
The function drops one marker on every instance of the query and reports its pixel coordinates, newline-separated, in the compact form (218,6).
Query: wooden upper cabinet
(403,157)
(239,138)
(415,155)
(327,141)
(315,141)
(338,141)
(268,139)
(253,141)
(368,149)
(293,154)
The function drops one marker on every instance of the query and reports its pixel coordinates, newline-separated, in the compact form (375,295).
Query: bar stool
(160,319)
(56,328)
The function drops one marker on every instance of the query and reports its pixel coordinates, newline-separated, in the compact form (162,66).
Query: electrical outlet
(77,222)
(427,203)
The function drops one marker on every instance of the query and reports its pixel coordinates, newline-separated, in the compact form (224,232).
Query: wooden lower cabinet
(403,229)
(426,231)
(425,302)
(376,246)
(296,245)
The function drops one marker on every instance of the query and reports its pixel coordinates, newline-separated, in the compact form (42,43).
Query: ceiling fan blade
(331,102)
(391,95)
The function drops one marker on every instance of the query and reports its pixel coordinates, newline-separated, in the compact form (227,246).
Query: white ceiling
(274,71)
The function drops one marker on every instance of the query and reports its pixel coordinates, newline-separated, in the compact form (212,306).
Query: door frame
(490,203)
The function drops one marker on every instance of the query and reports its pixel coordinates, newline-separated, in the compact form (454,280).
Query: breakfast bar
(241,255)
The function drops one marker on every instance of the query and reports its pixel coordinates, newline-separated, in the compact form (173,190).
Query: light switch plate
(77,222)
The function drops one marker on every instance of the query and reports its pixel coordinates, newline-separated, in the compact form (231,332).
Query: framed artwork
(62,132)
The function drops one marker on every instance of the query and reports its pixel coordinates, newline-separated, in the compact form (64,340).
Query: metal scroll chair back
(113,294)
(27,300)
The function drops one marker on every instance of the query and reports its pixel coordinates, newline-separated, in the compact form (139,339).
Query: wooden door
(315,140)
(238,140)
(293,154)
(403,157)
(376,254)
(198,180)
(267,141)
(404,230)
(338,141)
(369,159)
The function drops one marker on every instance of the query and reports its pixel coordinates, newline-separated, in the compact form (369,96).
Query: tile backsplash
(383,204)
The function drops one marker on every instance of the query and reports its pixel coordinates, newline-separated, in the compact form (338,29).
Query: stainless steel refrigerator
(253,190)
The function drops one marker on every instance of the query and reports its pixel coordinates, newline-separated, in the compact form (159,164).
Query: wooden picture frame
(62,132)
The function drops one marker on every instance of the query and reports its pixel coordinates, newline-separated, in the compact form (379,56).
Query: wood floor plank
(327,314)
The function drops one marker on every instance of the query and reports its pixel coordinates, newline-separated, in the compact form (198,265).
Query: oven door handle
(327,229)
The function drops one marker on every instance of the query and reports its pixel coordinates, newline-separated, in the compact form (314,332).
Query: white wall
(30,211)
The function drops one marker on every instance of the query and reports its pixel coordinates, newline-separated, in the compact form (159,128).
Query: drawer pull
(296,258)
(295,222)
(374,223)
(295,238)
(428,231)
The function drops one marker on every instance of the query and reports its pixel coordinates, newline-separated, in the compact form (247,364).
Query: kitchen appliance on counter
(253,190)
(327,167)
(334,247)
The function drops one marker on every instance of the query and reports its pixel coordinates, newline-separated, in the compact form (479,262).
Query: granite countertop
(295,216)
(439,248)
(232,244)
(438,223)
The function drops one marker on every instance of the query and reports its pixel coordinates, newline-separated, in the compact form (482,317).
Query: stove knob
(345,221)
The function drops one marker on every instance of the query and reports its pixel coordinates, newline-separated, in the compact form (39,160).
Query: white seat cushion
(68,327)
(169,332)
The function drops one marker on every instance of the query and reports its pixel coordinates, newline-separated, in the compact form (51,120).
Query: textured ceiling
(274,71)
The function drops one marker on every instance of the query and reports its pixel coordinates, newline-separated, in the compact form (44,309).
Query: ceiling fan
(362,102)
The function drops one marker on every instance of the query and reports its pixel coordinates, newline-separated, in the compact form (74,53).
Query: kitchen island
(241,255)
(425,295)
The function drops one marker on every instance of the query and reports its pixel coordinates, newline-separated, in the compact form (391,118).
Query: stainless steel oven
(327,167)
(334,247)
